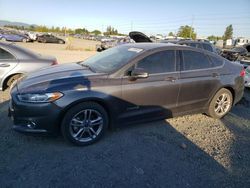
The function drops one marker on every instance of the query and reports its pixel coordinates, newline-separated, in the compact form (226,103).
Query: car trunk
(139,37)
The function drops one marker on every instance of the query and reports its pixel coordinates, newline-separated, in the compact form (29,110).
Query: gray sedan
(16,61)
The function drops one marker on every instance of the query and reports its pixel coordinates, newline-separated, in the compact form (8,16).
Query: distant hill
(4,22)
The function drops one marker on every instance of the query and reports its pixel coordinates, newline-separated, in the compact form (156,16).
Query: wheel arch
(228,87)
(6,79)
(99,101)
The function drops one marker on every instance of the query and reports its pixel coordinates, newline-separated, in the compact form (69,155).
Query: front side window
(195,60)
(159,62)
(5,55)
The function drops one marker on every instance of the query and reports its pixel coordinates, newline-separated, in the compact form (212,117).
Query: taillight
(54,62)
(242,72)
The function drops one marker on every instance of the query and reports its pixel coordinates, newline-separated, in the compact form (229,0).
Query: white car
(247,77)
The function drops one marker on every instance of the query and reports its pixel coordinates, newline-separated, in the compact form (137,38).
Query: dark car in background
(48,38)
(130,83)
(16,61)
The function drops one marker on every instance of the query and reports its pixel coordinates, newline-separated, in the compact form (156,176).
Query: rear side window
(5,55)
(159,62)
(195,60)
(208,47)
(216,61)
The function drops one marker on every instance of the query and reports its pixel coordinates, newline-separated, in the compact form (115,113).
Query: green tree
(111,31)
(171,34)
(96,32)
(228,34)
(186,32)
(214,38)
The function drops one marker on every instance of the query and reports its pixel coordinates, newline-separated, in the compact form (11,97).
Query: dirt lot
(73,50)
(189,151)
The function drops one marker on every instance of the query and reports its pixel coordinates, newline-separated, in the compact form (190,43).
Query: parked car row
(129,83)
(15,36)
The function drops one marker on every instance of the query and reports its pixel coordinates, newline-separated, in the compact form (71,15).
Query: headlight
(39,98)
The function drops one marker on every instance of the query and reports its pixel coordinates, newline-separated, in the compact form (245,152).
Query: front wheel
(84,123)
(221,104)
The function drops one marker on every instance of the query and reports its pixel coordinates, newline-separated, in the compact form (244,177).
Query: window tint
(159,62)
(208,47)
(195,60)
(5,55)
(216,61)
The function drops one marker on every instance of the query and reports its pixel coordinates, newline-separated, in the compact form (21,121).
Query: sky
(208,17)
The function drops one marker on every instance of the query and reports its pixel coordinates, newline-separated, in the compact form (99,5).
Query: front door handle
(170,79)
(4,65)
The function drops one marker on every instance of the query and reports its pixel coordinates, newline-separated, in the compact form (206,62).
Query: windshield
(112,59)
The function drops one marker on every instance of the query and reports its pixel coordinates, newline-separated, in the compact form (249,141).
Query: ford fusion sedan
(127,84)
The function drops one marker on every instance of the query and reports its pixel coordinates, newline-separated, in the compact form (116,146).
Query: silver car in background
(247,77)
(16,61)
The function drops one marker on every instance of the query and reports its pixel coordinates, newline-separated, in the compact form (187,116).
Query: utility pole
(192,23)
(131,26)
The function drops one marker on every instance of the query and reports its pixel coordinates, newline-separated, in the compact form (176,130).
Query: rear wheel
(220,104)
(61,42)
(24,40)
(84,123)
(3,39)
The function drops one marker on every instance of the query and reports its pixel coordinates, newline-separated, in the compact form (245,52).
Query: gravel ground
(188,151)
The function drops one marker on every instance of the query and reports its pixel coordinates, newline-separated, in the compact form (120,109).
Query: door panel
(7,63)
(5,67)
(156,95)
(197,84)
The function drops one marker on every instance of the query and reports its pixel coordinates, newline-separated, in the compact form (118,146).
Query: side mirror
(138,73)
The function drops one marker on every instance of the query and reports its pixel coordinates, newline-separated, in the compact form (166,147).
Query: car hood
(59,77)
(139,37)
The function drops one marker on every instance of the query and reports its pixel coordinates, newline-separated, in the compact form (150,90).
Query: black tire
(71,116)
(213,106)
(24,40)
(12,79)
(61,42)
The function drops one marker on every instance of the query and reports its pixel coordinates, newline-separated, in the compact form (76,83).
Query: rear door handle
(215,75)
(4,65)
(170,79)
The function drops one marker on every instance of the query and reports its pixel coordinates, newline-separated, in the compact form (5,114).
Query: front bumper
(34,118)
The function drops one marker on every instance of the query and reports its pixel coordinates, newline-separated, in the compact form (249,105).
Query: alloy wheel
(222,104)
(86,125)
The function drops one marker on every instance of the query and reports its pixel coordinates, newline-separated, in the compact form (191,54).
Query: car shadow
(238,122)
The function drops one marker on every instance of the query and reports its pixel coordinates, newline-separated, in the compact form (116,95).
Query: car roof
(149,46)
(18,51)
